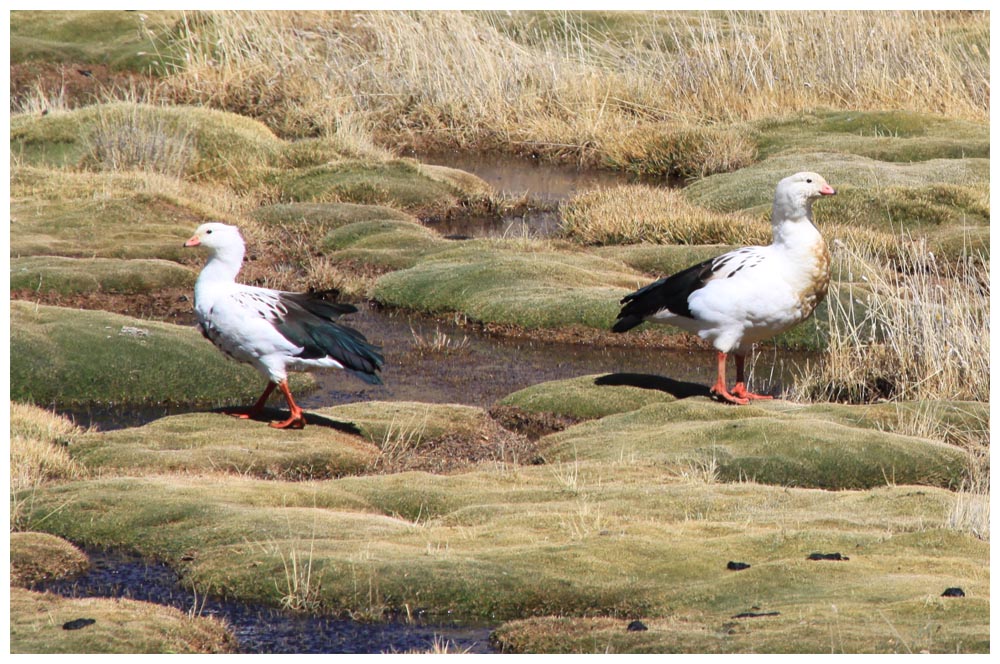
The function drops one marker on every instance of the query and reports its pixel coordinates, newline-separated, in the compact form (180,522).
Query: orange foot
(723,394)
(297,421)
(740,391)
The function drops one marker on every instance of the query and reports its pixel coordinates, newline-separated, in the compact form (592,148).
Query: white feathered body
(747,295)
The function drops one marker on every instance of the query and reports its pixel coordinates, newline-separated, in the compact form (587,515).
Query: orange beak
(827,190)
(193,242)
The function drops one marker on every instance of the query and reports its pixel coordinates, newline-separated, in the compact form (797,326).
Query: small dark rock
(826,556)
(953,592)
(79,623)
(755,614)
(736,567)
(637,626)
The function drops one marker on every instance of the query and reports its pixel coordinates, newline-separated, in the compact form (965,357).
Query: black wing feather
(669,293)
(309,322)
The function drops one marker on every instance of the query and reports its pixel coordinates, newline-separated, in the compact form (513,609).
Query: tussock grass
(637,213)
(570,86)
(923,332)
(39,453)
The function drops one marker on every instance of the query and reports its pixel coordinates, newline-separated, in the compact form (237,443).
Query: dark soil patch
(175,305)
(531,425)
(492,444)
(76,84)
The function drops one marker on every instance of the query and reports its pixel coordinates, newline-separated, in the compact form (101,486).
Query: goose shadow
(273,414)
(679,389)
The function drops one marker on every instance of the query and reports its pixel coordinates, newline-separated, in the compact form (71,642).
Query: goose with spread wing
(747,295)
(274,331)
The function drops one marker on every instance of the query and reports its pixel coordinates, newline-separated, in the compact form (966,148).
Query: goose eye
(209,232)
(809,180)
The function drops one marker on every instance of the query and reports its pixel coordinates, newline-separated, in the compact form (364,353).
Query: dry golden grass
(38,453)
(637,213)
(910,328)
(568,90)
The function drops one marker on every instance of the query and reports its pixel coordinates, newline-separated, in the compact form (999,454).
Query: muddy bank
(264,629)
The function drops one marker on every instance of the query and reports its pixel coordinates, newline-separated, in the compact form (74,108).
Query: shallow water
(477,370)
(262,629)
(545,183)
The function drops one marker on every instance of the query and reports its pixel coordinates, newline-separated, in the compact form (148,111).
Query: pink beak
(193,242)
(827,190)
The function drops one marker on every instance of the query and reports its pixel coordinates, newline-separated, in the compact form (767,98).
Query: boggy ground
(566,510)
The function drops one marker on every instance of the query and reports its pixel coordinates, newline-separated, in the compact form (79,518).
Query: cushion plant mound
(573,539)
(198,143)
(761,443)
(387,244)
(123,39)
(104,275)
(206,442)
(384,421)
(36,557)
(326,215)
(72,357)
(107,228)
(753,186)
(402,183)
(537,287)
(899,136)
(590,397)
(119,626)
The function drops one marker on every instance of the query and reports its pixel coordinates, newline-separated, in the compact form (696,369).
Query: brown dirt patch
(531,425)
(174,305)
(77,84)
(491,445)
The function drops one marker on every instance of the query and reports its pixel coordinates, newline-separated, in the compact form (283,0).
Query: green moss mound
(326,216)
(534,288)
(763,443)
(576,539)
(384,244)
(206,442)
(753,186)
(591,397)
(383,422)
(71,357)
(198,143)
(121,39)
(36,557)
(398,183)
(120,626)
(896,136)
(103,215)
(105,275)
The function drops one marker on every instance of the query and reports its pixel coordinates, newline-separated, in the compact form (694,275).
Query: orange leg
(719,389)
(255,409)
(297,420)
(740,389)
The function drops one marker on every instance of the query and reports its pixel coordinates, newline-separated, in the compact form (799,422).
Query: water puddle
(545,184)
(261,629)
(432,361)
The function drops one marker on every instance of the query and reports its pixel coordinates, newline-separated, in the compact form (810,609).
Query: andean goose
(750,294)
(275,331)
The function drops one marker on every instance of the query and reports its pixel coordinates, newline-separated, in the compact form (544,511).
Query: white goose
(275,331)
(750,294)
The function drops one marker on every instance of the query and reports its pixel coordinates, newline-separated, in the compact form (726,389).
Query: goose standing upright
(274,331)
(750,294)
